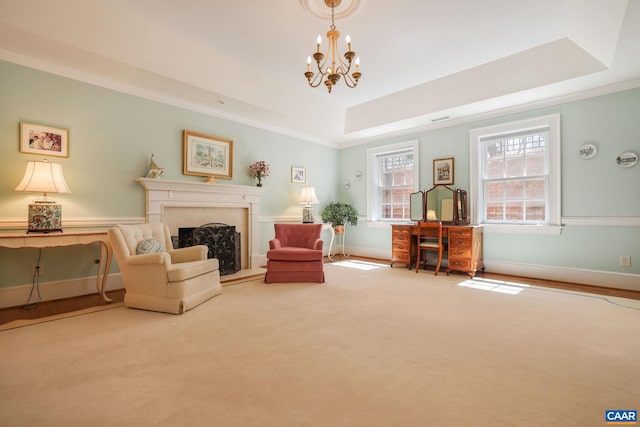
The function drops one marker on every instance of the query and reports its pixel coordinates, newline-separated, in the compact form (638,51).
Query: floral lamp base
(307,214)
(44,217)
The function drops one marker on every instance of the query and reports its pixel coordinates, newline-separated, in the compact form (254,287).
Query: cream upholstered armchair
(158,277)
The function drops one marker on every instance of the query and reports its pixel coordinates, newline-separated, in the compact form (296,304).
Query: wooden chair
(429,238)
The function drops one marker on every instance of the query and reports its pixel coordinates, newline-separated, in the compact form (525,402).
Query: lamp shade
(43,177)
(308,196)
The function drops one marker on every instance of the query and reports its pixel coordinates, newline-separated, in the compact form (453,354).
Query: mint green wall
(111,138)
(113,134)
(590,188)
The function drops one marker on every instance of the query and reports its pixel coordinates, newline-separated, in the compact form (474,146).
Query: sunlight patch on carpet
(360,265)
(492,285)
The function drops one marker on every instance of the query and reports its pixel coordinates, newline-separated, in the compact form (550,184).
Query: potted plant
(339,214)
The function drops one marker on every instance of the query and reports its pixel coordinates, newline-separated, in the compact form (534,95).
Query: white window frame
(476,195)
(373,199)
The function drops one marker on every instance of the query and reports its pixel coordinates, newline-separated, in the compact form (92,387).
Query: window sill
(522,229)
(387,224)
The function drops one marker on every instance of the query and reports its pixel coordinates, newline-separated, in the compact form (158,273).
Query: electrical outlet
(40,269)
(625,261)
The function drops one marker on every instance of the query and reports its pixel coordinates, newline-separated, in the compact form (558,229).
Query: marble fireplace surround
(191,204)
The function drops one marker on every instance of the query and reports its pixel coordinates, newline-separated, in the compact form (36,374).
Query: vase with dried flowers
(259,170)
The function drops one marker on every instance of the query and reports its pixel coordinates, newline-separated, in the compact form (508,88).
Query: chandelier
(331,66)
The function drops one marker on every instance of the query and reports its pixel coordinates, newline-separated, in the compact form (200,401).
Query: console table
(464,246)
(57,239)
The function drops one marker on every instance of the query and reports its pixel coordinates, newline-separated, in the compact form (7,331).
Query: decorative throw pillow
(149,246)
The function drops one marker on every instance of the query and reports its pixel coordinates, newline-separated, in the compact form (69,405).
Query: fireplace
(222,240)
(180,204)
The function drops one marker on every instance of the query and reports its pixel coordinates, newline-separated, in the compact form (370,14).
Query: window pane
(494,169)
(494,191)
(536,188)
(514,190)
(513,211)
(495,212)
(535,166)
(514,167)
(535,211)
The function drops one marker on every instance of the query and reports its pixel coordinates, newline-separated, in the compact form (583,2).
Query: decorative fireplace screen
(223,242)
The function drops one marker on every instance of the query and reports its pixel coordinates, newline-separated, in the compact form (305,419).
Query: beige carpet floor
(370,347)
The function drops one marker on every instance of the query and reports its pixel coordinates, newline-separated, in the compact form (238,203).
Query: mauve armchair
(295,254)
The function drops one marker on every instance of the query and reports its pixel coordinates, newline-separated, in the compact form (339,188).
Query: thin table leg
(103,269)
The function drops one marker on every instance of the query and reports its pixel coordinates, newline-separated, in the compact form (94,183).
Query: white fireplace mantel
(161,194)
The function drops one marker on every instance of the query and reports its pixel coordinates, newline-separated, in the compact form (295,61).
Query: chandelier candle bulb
(348,39)
(318,41)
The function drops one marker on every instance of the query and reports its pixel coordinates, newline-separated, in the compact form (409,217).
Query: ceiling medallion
(318,8)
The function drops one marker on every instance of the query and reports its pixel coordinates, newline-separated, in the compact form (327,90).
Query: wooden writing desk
(56,239)
(464,246)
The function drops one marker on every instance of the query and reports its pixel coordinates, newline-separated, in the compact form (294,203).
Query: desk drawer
(401,257)
(401,246)
(460,243)
(462,264)
(401,238)
(460,252)
(464,232)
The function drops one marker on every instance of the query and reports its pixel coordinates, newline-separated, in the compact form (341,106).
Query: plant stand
(340,244)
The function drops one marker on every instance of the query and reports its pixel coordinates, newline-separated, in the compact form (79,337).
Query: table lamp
(308,197)
(45,177)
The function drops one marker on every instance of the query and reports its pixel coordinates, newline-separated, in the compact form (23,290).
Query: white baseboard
(17,295)
(605,279)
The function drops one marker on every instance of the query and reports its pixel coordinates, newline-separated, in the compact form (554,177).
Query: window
(515,173)
(392,172)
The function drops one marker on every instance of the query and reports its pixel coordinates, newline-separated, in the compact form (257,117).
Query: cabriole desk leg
(103,269)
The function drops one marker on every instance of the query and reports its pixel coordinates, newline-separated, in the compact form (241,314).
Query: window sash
(515,175)
(395,184)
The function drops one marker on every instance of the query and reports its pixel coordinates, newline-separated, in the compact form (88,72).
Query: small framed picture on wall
(298,175)
(443,171)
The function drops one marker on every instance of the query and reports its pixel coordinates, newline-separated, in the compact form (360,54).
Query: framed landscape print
(443,171)
(207,155)
(44,140)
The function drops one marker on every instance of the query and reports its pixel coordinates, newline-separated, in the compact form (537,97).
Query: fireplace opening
(223,241)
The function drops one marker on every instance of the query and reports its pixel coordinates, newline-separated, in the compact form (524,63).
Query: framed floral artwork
(207,155)
(44,140)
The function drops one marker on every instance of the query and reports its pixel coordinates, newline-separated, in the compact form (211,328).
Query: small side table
(57,239)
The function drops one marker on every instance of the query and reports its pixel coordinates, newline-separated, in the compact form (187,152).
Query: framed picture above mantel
(207,155)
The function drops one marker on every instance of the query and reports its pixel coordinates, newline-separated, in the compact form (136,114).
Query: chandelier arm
(315,80)
(349,81)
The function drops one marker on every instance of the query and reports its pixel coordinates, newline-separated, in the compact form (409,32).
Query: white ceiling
(421,60)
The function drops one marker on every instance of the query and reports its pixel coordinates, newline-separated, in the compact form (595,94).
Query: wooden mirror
(416,206)
(463,207)
(440,201)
